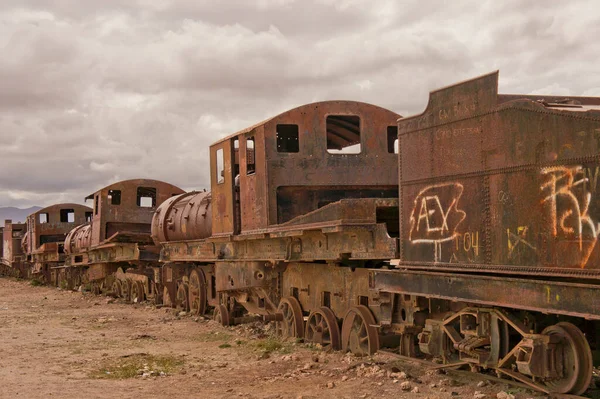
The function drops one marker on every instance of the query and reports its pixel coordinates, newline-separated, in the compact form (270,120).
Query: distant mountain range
(16,214)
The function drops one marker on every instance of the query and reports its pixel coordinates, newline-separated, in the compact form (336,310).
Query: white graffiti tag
(435,216)
(567,193)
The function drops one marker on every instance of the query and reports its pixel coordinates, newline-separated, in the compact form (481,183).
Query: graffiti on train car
(436,215)
(569,191)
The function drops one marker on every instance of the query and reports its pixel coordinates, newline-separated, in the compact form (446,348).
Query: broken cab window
(146,197)
(250,158)
(220,167)
(43,218)
(287,138)
(343,134)
(67,215)
(114,197)
(88,216)
(392,139)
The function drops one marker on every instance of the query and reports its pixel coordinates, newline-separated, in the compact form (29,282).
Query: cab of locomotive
(300,161)
(12,235)
(49,226)
(127,207)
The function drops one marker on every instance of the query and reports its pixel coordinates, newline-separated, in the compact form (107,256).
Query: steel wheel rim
(126,289)
(578,366)
(322,328)
(292,325)
(182,297)
(358,334)
(116,288)
(221,315)
(197,292)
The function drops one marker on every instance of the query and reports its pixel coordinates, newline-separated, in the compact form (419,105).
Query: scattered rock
(415,390)
(344,378)
(479,395)
(505,395)
(331,385)
(405,386)
(481,384)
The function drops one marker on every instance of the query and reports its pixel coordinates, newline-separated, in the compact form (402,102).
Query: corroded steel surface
(12,236)
(280,175)
(51,225)
(501,181)
(126,208)
(79,239)
(184,217)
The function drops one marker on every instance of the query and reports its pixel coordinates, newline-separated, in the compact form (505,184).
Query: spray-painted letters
(435,216)
(568,192)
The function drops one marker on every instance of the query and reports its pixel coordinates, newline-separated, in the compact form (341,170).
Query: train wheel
(166,297)
(221,315)
(322,328)
(292,324)
(117,290)
(181,301)
(197,292)
(126,290)
(576,359)
(358,334)
(137,292)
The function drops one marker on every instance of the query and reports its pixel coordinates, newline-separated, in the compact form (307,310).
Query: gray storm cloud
(94,92)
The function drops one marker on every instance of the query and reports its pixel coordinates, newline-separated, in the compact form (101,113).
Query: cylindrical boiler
(186,216)
(78,239)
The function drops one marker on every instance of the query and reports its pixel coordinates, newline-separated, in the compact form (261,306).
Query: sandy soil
(64,344)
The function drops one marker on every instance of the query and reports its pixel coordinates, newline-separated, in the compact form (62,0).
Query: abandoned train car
(117,237)
(466,234)
(43,240)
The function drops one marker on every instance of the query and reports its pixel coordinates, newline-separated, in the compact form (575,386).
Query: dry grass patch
(139,364)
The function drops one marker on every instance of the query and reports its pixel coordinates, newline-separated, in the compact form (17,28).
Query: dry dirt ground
(64,344)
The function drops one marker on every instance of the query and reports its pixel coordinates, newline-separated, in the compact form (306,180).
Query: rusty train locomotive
(467,233)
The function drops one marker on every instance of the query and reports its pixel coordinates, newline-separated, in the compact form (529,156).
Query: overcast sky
(93,92)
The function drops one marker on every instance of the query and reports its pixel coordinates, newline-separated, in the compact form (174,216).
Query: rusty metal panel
(54,226)
(222,183)
(12,237)
(496,182)
(302,181)
(127,206)
(555,297)
(253,204)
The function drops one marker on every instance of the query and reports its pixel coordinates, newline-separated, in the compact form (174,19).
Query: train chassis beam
(558,359)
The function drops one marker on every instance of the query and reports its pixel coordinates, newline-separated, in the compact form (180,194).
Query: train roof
(139,182)
(300,108)
(482,93)
(66,205)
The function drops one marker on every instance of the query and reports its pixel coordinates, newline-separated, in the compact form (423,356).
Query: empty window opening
(146,197)
(78,259)
(392,139)
(96,204)
(236,158)
(213,286)
(88,216)
(343,134)
(44,218)
(326,299)
(114,196)
(220,167)
(67,216)
(250,156)
(363,300)
(287,138)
